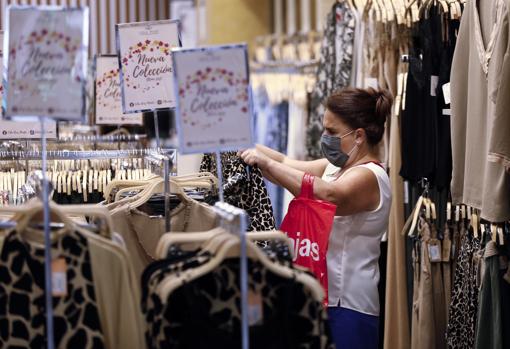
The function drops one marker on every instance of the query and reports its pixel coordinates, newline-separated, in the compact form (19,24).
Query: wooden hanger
(416,214)
(475,222)
(78,210)
(199,238)
(231,249)
(157,187)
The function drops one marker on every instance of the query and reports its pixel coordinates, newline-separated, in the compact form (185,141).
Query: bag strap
(307,186)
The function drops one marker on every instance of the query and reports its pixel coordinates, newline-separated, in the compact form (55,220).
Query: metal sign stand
(243,258)
(156,128)
(47,243)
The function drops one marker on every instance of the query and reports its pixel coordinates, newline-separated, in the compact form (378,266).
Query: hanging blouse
(334,71)
(97,308)
(243,187)
(480,83)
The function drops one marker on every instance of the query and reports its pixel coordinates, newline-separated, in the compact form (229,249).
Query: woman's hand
(255,157)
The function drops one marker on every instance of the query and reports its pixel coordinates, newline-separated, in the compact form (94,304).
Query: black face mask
(331,148)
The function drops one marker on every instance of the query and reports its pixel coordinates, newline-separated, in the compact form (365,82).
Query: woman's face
(334,126)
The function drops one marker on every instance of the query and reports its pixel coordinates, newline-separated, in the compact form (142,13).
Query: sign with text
(46,62)
(145,56)
(25,129)
(213,99)
(1,86)
(1,72)
(108,96)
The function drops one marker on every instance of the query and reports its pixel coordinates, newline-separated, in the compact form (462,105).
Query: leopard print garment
(152,305)
(243,187)
(210,306)
(22,299)
(460,333)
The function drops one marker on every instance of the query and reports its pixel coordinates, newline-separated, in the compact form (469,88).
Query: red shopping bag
(308,224)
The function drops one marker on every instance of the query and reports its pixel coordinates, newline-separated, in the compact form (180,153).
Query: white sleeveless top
(354,249)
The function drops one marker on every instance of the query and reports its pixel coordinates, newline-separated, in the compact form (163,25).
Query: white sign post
(213,99)
(46,69)
(214,113)
(108,99)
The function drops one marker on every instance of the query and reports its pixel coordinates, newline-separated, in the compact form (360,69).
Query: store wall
(232,21)
(104,14)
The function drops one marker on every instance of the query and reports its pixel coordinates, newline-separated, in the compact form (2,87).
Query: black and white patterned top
(206,313)
(334,71)
(243,187)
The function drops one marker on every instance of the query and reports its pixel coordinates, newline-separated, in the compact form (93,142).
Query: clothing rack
(163,170)
(235,221)
(163,161)
(281,68)
(103,138)
(78,154)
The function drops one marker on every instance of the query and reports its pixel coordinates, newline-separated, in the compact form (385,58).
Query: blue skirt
(353,330)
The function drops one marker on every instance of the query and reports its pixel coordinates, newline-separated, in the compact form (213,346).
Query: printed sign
(1,72)
(25,129)
(47,62)
(1,87)
(108,96)
(145,57)
(213,99)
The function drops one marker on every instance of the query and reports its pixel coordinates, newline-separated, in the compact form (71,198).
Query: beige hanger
(501,236)
(426,202)
(193,239)
(416,214)
(229,249)
(494,232)
(121,192)
(157,187)
(68,184)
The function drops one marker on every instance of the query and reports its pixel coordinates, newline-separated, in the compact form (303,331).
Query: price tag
(371,82)
(446,93)
(434,250)
(434,81)
(255,309)
(406,192)
(59,277)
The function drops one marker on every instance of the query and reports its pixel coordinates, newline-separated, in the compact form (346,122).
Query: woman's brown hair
(362,108)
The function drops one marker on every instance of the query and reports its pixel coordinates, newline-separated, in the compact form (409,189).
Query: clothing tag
(59,277)
(434,81)
(446,93)
(434,251)
(406,192)
(255,309)
(501,236)
(447,112)
(447,246)
(371,82)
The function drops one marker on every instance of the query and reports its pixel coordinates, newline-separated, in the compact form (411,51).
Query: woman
(351,177)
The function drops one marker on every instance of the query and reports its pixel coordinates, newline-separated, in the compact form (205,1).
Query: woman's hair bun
(363,108)
(383,101)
